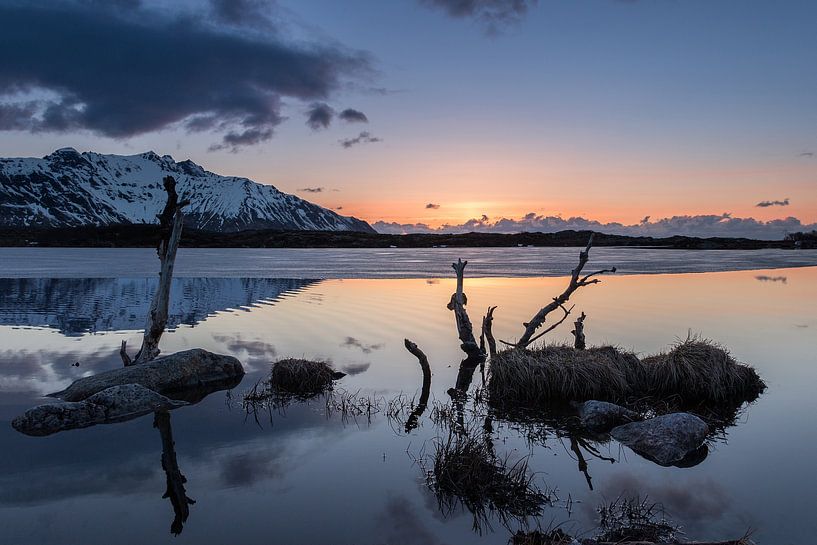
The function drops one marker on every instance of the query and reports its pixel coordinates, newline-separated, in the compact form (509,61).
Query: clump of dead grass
(302,378)
(558,373)
(699,371)
(694,372)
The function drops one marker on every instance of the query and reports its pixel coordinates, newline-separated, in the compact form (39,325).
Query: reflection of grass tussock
(302,378)
(634,519)
(553,373)
(693,371)
(467,472)
(700,370)
(625,520)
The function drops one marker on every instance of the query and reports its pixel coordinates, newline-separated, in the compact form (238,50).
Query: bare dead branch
(545,332)
(171,220)
(123,353)
(576,281)
(414,417)
(465,330)
(578,332)
(175,491)
(487,332)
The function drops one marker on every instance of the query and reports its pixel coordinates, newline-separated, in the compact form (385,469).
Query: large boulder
(666,440)
(114,404)
(168,375)
(601,416)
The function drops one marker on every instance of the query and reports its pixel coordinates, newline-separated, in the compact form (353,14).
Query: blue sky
(608,109)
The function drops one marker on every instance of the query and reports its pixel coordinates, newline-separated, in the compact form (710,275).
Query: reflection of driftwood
(175,480)
(170,220)
(176,372)
(115,404)
(576,281)
(465,330)
(418,411)
(580,342)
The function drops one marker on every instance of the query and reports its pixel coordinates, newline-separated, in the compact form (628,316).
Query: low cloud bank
(713,225)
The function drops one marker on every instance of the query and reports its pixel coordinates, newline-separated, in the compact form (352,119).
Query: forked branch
(576,281)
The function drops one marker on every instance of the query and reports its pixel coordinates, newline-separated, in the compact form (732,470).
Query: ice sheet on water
(381,263)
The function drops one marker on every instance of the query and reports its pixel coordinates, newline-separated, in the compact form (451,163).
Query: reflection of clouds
(355,368)
(257,351)
(400,524)
(45,371)
(351,342)
(765,278)
(246,468)
(692,500)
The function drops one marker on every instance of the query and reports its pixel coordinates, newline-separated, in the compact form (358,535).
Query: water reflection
(76,306)
(320,480)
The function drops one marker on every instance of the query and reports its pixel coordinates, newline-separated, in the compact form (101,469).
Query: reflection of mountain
(81,305)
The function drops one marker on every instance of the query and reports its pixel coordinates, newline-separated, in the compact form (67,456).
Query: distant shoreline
(141,236)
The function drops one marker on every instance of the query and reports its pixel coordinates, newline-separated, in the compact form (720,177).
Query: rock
(167,375)
(114,404)
(666,439)
(601,416)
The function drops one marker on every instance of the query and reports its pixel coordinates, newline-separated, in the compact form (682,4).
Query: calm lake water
(300,475)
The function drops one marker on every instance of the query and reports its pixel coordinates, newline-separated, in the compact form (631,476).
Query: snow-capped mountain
(68,189)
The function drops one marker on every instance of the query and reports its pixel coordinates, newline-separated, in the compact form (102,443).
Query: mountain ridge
(71,189)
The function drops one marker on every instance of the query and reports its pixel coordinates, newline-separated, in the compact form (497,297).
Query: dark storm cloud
(432,206)
(766,204)
(312,189)
(319,116)
(351,115)
(363,138)
(492,13)
(125,72)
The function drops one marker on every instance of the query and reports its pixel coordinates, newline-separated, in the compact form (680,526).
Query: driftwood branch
(548,330)
(418,411)
(576,281)
(578,332)
(465,330)
(170,221)
(487,332)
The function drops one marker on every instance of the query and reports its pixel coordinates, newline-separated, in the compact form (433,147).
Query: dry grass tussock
(302,378)
(694,371)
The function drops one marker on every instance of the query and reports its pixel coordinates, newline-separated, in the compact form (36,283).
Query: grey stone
(114,404)
(601,416)
(666,439)
(177,372)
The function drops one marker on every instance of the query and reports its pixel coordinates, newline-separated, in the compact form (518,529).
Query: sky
(653,116)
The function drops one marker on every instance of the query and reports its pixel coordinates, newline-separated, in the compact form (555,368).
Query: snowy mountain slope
(67,189)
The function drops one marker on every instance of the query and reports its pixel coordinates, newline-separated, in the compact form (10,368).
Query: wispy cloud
(312,189)
(492,14)
(766,204)
(432,206)
(363,138)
